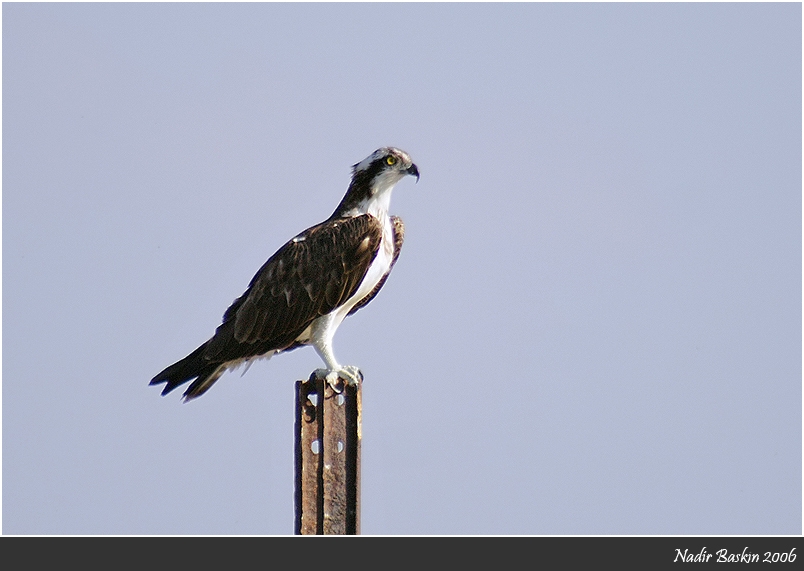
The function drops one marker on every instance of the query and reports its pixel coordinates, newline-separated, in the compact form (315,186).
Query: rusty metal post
(327,458)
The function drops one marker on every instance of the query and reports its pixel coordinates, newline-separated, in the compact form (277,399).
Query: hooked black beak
(413,170)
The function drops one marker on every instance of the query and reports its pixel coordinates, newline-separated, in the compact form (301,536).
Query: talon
(336,377)
(333,380)
(352,375)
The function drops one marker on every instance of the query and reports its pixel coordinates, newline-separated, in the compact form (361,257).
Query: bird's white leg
(321,339)
(349,373)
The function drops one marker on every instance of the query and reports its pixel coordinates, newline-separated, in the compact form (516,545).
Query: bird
(302,294)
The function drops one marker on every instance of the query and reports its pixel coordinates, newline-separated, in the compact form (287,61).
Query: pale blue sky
(595,323)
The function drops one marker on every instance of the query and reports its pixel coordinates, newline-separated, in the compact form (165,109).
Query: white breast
(379,267)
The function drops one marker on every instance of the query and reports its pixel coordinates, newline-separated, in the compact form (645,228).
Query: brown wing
(306,278)
(399,237)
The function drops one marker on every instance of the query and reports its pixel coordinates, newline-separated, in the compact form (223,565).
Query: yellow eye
(390,160)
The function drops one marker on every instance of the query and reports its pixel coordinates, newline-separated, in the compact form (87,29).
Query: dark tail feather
(193,366)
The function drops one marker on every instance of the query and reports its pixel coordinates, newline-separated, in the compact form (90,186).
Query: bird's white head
(373,178)
(385,167)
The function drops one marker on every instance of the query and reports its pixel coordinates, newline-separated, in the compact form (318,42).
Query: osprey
(305,290)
